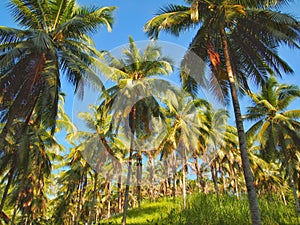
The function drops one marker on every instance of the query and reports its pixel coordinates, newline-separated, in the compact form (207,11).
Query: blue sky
(130,17)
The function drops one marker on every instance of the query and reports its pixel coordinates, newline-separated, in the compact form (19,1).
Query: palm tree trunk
(76,221)
(139,165)
(236,184)
(108,199)
(283,198)
(295,194)
(214,176)
(126,200)
(82,188)
(174,175)
(224,180)
(202,181)
(151,175)
(252,196)
(119,192)
(197,168)
(289,171)
(183,178)
(92,215)
(293,186)
(10,178)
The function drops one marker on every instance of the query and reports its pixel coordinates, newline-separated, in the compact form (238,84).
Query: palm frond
(172,18)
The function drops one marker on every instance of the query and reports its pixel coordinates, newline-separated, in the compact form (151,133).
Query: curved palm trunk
(252,197)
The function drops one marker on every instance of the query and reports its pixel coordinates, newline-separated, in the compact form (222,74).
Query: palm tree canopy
(53,40)
(254,32)
(138,85)
(272,116)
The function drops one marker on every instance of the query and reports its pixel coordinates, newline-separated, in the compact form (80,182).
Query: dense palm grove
(146,139)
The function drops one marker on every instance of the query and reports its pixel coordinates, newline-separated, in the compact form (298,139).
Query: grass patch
(150,212)
(209,210)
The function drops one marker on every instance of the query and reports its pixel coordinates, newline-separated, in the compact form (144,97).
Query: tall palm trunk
(92,215)
(292,182)
(119,185)
(151,176)
(236,184)
(252,197)
(139,165)
(184,178)
(197,168)
(223,179)
(119,192)
(213,170)
(126,200)
(108,199)
(82,188)
(174,175)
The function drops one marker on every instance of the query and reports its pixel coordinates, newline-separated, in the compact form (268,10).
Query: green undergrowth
(208,210)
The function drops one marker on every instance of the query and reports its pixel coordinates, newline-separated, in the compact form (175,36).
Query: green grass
(208,210)
(150,212)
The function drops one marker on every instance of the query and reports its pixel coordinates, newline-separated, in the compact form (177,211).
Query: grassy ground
(208,210)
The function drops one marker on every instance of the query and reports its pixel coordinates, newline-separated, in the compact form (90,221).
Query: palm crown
(253,33)
(54,40)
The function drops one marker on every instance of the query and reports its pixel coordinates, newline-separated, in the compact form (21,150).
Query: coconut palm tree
(100,149)
(235,48)
(53,40)
(184,130)
(134,100)
(216,121)
(73,183)
(27,160)
(276,127)
(229,159)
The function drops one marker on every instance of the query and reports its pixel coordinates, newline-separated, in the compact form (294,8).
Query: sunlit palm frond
(173,19)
